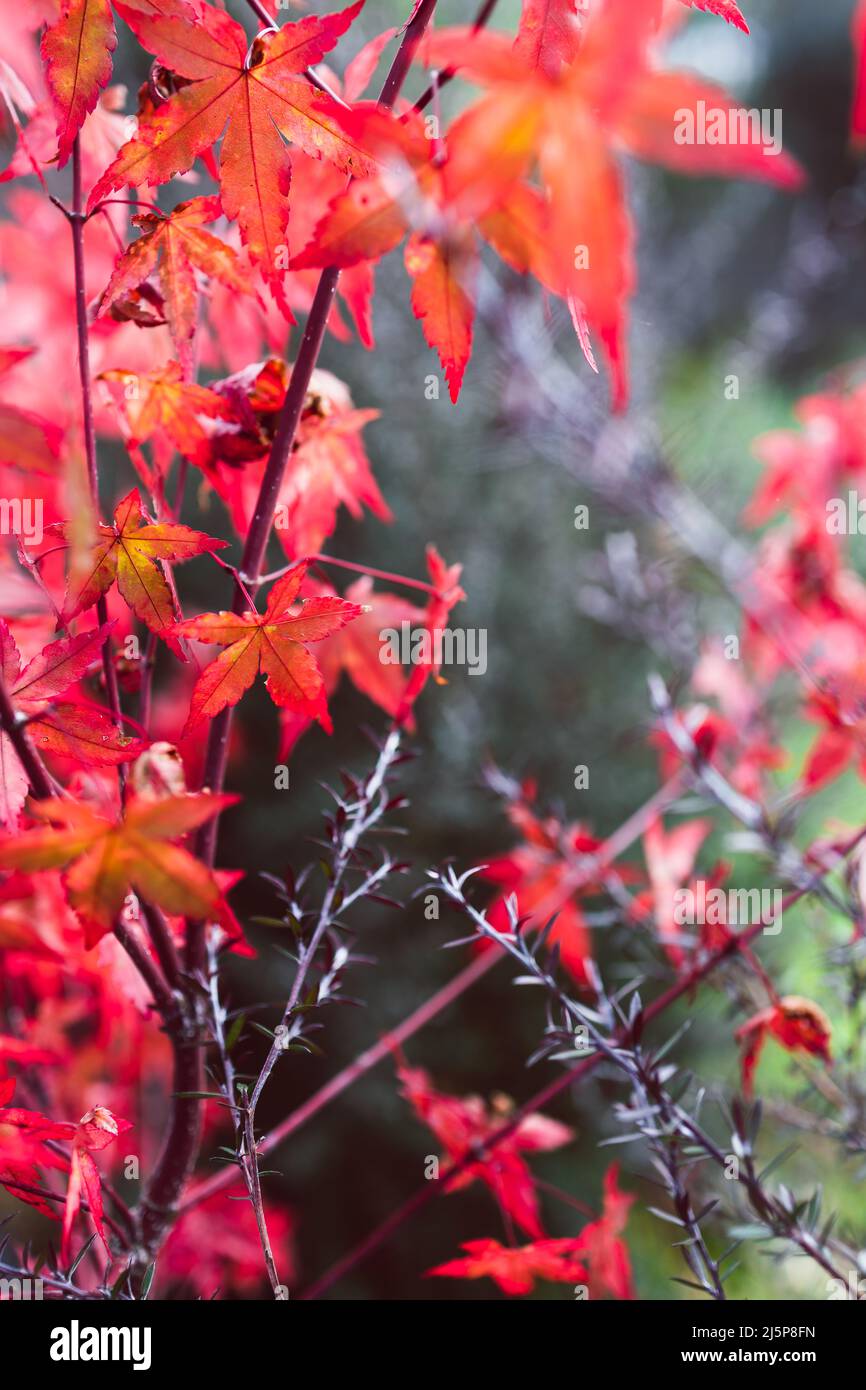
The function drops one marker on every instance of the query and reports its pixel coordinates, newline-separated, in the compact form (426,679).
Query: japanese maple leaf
(601,1243)
(806,466)
(432,191)
(180,246)
(27,440)
(215,1246)
(258,95)
(670,859)
(77,53)
(515,1268)
(549,30)
(462,1124)
(357,650)
(797,1023)
(548,34)
(26,1053)
(94,1132)
(134,554)
(86,733)
(274,642)
(447,593)
(607,96)
(161,407)
(546,874)
(725,9)
(107,859)
(22,1153)
(14,783)
(744,743)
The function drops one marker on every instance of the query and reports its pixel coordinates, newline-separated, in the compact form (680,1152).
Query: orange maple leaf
(135,554)
(595,94)
(161,407)
(76,51)
(259,93)
(432,191)
(179,246)
(273,642)
(27,440)
(106,859)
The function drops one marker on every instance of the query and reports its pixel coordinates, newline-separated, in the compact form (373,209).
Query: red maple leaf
(858,35)
(515,1268)
(86,733)
(134,553)
(105,859)
(594,95)
(462,1124)
(259,93)
(179,246)
(94,1132)
(77,53)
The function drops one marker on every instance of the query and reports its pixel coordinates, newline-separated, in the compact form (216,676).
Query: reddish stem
(37,773)
(319,559)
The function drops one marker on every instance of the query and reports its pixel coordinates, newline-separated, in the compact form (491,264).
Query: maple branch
(260,527)
(163,941)
(542,1098)
(162,995)
(13,728)
(448,74)
(158,1209)
(388,575)
(77,219)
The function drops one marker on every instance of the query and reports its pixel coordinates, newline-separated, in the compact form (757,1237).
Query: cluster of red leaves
(596,1261)
(26,1136)
(461,1124)
(597,1258)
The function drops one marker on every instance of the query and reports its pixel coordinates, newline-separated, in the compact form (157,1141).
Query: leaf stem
(76,219)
